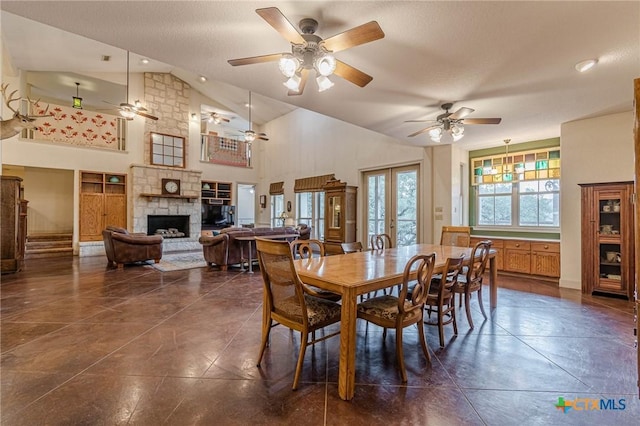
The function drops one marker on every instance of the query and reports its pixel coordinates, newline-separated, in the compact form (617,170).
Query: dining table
(362,272)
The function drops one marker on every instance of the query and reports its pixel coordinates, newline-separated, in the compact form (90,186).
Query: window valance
(276,188)
(312,184)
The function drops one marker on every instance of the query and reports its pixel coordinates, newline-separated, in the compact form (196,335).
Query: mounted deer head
(15,124)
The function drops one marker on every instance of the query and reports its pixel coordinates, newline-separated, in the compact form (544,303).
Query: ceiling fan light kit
(323,83)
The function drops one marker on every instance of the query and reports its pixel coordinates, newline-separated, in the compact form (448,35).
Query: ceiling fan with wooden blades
(250,135)
(311,52)
(129,111)
(214,117)
(452,122)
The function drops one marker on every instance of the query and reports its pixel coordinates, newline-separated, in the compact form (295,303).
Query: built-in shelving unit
(216,192)
(217,205)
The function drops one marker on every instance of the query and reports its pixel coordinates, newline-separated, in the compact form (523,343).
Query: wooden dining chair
(471,282)
(306,249)
(455,236)
(380,241)
(287,301)
(399,312)
(355,247)
(351,247)
(441,298)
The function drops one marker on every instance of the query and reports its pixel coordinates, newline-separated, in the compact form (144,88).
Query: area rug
(179,261)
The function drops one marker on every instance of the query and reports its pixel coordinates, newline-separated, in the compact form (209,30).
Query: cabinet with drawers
(545,259)
(531,257)
(517,256)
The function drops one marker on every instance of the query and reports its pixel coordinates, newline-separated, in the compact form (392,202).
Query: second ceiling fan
(451,122)
(311,52)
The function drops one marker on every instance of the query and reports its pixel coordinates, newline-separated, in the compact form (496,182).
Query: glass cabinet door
(334,211)
(610,242)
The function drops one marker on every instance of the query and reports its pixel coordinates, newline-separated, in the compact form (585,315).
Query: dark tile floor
(85,344)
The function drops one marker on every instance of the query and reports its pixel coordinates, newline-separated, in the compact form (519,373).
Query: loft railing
(80,127)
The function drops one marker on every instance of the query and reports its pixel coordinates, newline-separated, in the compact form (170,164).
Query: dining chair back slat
(459,236)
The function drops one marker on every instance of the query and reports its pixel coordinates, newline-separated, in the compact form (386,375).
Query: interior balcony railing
(80,127)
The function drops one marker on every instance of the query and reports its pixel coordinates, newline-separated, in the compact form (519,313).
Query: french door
(392,204)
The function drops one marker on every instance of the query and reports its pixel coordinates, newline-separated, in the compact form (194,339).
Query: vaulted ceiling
(513,60)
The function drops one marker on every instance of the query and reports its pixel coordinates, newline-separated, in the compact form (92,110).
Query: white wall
(593,150)
(303,144)
(50,196)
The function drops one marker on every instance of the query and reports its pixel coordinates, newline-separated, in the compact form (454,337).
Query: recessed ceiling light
(144,61)
(202,79)
(586,65)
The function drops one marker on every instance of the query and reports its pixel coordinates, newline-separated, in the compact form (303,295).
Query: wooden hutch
(608,239)
(339,216)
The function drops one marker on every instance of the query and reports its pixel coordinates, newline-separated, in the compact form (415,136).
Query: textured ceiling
(513,60)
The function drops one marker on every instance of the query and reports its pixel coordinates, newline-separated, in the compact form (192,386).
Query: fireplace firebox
(169,226)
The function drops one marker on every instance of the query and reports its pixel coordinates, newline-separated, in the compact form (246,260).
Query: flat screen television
(217,215)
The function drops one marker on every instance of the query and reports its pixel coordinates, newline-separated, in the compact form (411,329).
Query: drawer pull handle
(517,245)
(546,247)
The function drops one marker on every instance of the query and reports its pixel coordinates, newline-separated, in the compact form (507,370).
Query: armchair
(122,247)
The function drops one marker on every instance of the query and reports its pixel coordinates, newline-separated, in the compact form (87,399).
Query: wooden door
(91,217)
(115,210)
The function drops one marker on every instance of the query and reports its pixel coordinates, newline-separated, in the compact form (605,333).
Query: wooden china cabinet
(608,239)
(339,216)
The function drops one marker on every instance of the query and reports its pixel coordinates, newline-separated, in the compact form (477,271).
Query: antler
(35,104)
(3,90)
(7,102)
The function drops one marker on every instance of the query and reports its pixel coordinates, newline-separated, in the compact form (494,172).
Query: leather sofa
(224,249)
(122,247)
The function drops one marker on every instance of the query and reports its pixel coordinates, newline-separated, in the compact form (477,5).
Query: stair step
(40,253)
(35,245)
(49,237)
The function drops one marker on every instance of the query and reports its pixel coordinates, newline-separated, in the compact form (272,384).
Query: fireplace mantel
(191,198)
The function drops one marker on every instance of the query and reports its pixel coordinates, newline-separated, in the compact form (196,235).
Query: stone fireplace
(181,211)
